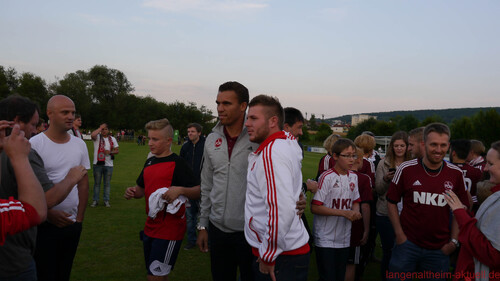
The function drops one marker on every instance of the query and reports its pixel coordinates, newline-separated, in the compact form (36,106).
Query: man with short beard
(276,233)
(424,238)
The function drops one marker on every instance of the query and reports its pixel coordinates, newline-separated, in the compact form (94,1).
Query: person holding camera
(105,148)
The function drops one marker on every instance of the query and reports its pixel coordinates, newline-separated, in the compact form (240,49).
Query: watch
(455,241)
(199,228)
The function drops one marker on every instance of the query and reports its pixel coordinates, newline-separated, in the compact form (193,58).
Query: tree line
(483,126)
(103,94)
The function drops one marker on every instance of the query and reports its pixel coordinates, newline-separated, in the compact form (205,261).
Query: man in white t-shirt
(58,238)
(105,147)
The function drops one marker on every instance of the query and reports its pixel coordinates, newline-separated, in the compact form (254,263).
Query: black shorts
(354,255)
(160,255)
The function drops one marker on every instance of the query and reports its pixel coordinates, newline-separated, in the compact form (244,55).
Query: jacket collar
(277,135)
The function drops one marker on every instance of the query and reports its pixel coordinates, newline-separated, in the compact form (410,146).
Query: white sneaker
(106,203)
(94,203)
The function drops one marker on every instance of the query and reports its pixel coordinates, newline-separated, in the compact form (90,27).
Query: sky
(327,58)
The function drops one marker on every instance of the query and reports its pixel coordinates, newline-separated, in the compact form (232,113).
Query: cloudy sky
(329,57)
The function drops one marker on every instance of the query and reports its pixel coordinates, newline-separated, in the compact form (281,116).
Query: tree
(324,131)
(312,123)
(383,128)
(486,126)
(106,84)
(407,123)
(367,125)
(432,119)
(462,128)
(8,81)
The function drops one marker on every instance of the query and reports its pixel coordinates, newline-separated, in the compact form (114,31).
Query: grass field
(110,248)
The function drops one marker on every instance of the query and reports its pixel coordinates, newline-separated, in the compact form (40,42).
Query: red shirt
(230,142)
(368,169)
(426,217)
(474,245)
(165,172)
(16,216)
(471,176)
(326,163)
(366,196)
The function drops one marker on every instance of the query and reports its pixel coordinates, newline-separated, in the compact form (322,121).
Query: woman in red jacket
(479,256)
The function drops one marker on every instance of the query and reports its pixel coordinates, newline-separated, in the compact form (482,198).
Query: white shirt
(58,159)
(335,191)
(107,146)
(274,184)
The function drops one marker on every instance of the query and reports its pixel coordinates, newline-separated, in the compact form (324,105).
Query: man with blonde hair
(165,182)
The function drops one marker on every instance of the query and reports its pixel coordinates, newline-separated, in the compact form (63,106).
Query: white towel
(157,203)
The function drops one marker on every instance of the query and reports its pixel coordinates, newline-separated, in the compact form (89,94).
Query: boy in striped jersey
(336,205)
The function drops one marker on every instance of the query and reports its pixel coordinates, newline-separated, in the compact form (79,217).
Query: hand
(448,248)
(59,218)
(312,185)
(3,126)
(16,146)
(352,215)
(76,173)
(202,241)
(172,193)
(301,204)
(400,239)
(452,200)
(389,176)
(266,269)
(130,193)
(102,126)
(364,240)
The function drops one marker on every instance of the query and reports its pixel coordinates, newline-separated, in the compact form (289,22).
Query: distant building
(337,129)
(356,119)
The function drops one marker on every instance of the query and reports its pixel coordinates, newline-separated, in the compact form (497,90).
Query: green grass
(110,248)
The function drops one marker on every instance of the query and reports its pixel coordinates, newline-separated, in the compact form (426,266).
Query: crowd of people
(240,196)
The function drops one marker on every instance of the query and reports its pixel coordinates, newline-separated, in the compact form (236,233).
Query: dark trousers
(55,251)
(287,268)
(332,263)
(387,237)
(228,252)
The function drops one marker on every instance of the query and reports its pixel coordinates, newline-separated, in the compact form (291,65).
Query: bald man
(58,238)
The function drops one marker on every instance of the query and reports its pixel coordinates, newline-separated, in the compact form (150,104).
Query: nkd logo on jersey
(428,198)
(341,204)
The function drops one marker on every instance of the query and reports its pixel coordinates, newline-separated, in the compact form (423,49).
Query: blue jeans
(27,275)
(287,268)
(192,220)
(409,258)
(102,172)
(387,237)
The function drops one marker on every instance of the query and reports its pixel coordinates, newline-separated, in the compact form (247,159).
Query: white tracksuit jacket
(274,183)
